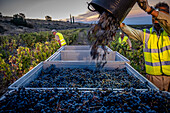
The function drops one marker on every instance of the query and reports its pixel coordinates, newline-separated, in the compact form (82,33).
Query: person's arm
(132,33)
(129,43)
(162,17)
(58,40)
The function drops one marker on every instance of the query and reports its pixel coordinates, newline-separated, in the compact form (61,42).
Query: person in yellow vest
(59,37)
(124,39)
(156,43)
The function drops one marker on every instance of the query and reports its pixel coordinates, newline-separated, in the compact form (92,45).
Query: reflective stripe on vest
(63,42)
(124,39)
(157,53)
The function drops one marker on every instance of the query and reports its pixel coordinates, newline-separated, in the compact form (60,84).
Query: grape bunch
(86,78)
(102,33)
(73,101)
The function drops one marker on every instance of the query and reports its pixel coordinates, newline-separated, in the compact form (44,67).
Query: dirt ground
(82,39)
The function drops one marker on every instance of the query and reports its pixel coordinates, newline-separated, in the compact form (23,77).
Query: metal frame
(8,92)
(36,70)
(81,55)
(33,74)
(120,57)
(57,56)
(77,47)
(66,47)
(132,71)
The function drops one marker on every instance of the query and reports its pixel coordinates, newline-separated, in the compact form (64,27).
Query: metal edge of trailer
(132,71)
(3,96)
(58,57)
(117,55)
(78,55)
(17,83)
(58,53)
(122,57)
(55,54)
(77,47)
(83,64)
(109,48)
(84,89)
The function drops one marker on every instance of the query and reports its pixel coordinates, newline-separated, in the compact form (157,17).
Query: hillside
(8,28)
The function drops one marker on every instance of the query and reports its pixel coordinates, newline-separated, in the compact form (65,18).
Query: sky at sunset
(61,10)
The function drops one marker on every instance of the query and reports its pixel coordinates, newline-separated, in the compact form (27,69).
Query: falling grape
(102,33)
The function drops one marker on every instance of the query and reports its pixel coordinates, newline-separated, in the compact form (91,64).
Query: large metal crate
(33,74)
(79,53)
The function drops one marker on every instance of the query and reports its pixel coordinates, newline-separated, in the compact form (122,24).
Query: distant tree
(73,19)
(48,18)
(22,15)
(0,14)
(70,19)
(19,20)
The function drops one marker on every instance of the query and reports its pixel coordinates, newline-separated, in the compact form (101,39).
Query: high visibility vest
(63,42)
(156,52)
(124,40)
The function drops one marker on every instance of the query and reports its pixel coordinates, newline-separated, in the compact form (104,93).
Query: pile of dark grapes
(71,101)
(86,78)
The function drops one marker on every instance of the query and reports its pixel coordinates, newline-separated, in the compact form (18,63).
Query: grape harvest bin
(82,53)
(78,57)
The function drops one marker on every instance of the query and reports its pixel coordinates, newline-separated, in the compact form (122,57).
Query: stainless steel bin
(33,74)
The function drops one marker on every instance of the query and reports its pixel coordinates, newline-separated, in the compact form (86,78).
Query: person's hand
(143,4)
(121,25)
